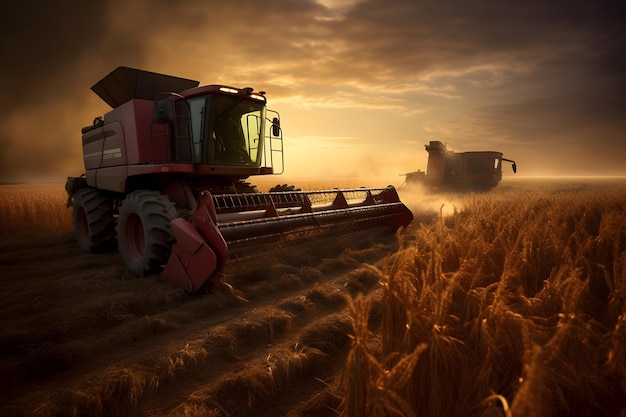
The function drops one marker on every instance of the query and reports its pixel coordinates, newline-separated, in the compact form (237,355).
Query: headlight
(229,90)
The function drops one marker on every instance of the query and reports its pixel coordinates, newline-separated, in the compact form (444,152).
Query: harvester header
(165,179)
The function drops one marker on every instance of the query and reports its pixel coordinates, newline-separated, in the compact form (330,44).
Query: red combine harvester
(165,179)
(459,170)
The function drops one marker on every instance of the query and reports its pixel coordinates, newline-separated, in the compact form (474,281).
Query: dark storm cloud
(455,59)
(544,80)
(39,39)
(408,38)
(566,135)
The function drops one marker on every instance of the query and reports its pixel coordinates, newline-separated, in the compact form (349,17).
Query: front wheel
(144,233)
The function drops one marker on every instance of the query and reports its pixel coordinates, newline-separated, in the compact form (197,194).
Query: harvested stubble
(516,303)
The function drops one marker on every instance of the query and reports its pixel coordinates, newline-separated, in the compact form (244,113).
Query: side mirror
(514,166)
(276,127)
(164,111)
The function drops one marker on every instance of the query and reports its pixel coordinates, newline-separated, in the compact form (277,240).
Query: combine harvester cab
(446,168)
(165,174)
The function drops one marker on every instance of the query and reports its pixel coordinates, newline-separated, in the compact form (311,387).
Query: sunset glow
(361,85)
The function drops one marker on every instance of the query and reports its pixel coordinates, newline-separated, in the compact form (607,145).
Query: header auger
(164,180)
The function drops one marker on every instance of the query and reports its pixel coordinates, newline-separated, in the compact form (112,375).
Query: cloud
(443,64)
(567,135)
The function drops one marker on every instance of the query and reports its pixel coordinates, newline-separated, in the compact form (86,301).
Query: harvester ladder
(176,129)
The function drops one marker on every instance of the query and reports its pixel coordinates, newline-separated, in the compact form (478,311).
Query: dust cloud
(426,204)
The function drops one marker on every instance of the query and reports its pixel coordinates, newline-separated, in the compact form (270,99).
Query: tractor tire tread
(156,212)
(100,221)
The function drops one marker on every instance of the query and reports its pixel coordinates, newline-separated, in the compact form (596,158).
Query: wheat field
(38,208)
(513,305)
(503,303)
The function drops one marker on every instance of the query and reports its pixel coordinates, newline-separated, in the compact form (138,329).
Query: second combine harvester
(164,180)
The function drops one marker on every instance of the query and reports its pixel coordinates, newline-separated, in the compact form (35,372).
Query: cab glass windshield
(234,131)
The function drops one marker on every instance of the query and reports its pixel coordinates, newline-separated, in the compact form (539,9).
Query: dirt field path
(81,336)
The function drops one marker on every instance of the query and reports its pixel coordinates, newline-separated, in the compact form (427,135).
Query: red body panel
(197,253)
(192,262)
(136,118)
(104,147)
(124,139)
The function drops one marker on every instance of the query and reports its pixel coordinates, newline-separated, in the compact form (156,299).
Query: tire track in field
(117,334)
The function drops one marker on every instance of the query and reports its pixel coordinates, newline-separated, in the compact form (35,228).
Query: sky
(361,85)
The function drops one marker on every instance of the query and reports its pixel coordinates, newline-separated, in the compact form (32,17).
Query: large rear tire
(93,220)
(144,233)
